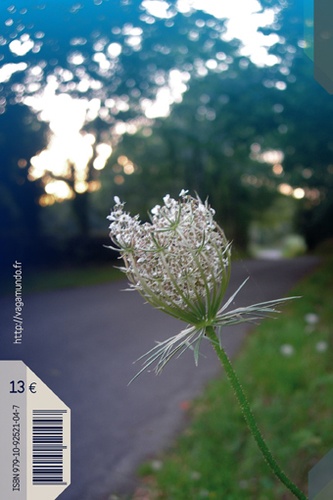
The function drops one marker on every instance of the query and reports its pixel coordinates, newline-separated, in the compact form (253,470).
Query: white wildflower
(156,465)
(195,475)
(311,319)
(321,346)
(287,350)
(180,263)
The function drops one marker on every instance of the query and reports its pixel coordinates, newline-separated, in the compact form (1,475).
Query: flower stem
(249,417)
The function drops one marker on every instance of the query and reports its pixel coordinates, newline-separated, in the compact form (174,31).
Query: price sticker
(34,437)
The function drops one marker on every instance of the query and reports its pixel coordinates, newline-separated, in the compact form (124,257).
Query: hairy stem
(248,415)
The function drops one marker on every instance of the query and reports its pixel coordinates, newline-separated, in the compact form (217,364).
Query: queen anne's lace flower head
(180,263)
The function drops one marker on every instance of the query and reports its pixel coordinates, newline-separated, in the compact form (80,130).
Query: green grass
(40,280)
(291,397)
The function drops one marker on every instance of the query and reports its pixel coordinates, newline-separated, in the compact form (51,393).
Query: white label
(34,436)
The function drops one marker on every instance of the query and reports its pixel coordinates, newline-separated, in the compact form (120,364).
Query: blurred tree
(20,136)
(205,146)
(180,106)
(115,52)
(128,66)
(305,112)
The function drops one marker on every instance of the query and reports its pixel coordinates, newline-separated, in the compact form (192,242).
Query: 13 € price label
(34,438)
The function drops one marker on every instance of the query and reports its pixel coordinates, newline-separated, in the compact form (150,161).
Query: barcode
(47,447)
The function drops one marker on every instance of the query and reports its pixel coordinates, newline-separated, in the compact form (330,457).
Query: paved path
(81,343)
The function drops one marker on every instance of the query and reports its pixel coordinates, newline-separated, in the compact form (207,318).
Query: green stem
(248,415)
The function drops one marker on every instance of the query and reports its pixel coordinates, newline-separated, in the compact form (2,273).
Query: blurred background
(139,98)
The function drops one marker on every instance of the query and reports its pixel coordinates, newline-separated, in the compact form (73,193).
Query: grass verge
(286,368)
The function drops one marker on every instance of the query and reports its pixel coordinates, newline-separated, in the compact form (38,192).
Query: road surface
(82,342)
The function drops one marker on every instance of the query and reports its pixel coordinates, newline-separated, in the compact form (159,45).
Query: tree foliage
(20,135)
(219,120)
